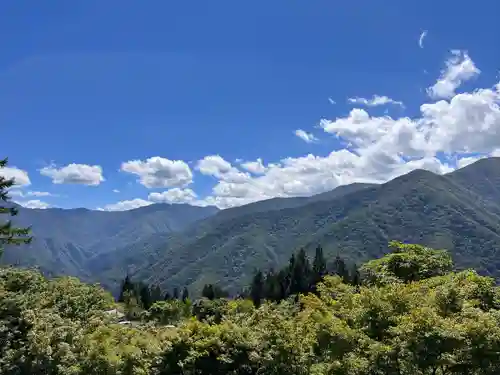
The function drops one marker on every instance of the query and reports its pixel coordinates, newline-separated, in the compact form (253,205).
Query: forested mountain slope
(66,239)
(450,211)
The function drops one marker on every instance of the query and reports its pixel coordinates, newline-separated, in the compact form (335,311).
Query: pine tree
(10,235)
(355,277)
(300,273)
(185,294)
(127,286)
(155,294)
(340,269)
(175,293)
(257,288)
(208,291)
(145,296)
(319,267)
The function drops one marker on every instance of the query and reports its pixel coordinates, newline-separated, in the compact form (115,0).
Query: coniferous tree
(300,273)
(272,288)
(155,294)
(145,296)
(340,269)
(175,293)
(257,288)
(185,294)
(9,235)
(208,292)
(126,287)
(167,297)
(319,268)
(355,276)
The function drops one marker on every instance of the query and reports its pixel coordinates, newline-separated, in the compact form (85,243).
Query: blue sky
(107,85)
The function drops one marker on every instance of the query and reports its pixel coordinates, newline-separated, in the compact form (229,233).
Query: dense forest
(407,312)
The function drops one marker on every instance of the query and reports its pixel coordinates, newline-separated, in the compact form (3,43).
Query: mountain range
(178,245)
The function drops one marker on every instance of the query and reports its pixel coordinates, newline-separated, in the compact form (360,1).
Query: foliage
(410,315)
(9,234)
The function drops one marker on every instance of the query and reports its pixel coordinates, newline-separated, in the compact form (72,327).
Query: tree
(407,263)
(257,288)
(185,294)
(10,235)
(208,291)
(145,296)
(319,266)
(340,269)
(175,293)
(155,294)
(126,287)
(300,273)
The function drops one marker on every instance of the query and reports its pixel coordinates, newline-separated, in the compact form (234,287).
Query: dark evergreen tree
(127,286)
(300,274)
(272,288)
(175,293)
(185,294)
(145,296)
(155,294)
(208,292)
(340,269)
(9,235)
(167,297)
(355,276)
(319,269)
(257,288)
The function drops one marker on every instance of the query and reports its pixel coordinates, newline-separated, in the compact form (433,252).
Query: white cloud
(375,101)
(20,176)
(332,101)
(126,205)
(116,191)
(35,203)
(306,137)
(255,167)
(158,172)
(445,135)
(174,195)
(19,193)
(81,174)
(216,166)
(459,68)
(421,39)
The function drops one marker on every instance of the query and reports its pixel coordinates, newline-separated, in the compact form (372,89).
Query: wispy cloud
(375,101)
(459,68)
(306,137)
(421,39)
(332,101)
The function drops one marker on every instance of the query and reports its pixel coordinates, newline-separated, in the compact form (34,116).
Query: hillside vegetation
(181,245)
(410,316)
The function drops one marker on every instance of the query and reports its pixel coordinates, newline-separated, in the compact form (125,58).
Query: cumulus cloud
(446,134)
(255,167)
(20,176)
(174,195)
(375,101)
(80,174)
(126,205)
(421,39)
(158,172)
(216,166)
(35,203)
(459,68)
(306,137)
